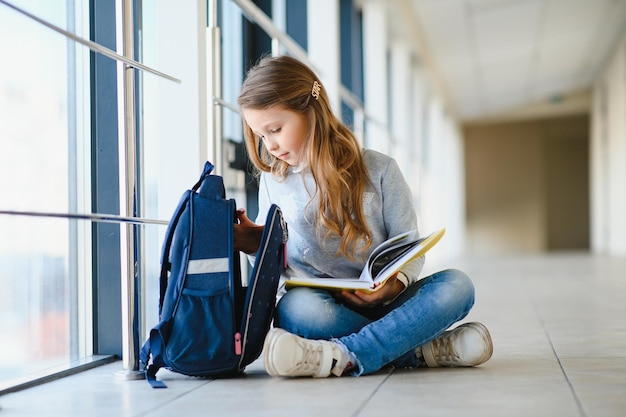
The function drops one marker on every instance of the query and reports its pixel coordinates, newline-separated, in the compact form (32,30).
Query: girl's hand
(247,234)
(389,291)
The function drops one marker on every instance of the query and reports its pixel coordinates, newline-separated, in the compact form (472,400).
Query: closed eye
(275,130)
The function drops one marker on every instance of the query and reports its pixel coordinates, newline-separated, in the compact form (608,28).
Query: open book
(384,261)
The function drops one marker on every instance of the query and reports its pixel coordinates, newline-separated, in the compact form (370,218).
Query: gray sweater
(388,208)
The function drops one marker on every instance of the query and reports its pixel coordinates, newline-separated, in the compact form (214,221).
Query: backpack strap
(166,265)
(154,342)
(208,168)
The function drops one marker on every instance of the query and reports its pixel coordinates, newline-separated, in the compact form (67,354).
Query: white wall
(375,45)
(608,157)
(323,46)
(442,199)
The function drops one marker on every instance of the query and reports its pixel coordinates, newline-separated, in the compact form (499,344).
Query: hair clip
(315,91)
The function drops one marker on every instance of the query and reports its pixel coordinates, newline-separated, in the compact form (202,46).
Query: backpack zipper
(238,336)
(238,344)
(283,225)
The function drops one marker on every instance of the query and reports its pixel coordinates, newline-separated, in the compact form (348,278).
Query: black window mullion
(297,22)
(106,260)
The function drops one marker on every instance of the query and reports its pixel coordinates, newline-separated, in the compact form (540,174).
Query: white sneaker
(467,345)
(285,354)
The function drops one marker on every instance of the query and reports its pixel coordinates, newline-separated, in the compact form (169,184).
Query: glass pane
(176,123)
(44,166)
(34,300)
(171,126)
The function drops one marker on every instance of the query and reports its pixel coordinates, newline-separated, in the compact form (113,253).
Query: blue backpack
(209,324)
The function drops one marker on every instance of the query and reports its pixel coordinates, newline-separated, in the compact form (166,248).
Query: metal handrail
(91,45)
(129,187)
(96,217)
(254,14)
(115,56)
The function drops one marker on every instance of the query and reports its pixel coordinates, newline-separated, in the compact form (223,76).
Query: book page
(404,250)
(385,258)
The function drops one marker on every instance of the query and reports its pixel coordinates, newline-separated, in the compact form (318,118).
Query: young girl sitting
(340,202)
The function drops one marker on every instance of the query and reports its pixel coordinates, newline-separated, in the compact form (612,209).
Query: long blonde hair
(332,152)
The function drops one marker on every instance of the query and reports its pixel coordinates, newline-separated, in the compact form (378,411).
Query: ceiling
(515,58)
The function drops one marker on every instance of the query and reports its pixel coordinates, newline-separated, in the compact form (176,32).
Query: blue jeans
(385,334)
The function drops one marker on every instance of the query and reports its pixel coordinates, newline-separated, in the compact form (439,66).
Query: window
(44,166)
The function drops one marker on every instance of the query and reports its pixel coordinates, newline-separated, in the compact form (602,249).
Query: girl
(340,202)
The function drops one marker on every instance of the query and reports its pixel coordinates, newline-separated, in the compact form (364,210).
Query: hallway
(559,350)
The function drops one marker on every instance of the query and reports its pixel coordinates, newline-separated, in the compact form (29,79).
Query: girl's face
(282,131)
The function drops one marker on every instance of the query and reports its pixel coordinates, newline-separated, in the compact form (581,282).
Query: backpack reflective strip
(207,266)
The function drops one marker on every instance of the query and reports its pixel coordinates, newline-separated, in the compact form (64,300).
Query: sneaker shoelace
(443,349)
(311,357)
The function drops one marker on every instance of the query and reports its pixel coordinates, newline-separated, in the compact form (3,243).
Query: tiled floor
(559,328)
